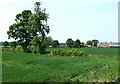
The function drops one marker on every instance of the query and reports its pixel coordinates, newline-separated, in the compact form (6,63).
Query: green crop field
(100,64)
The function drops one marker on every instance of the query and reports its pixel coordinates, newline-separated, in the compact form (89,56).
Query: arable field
(100,64)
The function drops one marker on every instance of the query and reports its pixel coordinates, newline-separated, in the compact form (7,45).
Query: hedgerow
(73,52)
(12,49)
(5,49)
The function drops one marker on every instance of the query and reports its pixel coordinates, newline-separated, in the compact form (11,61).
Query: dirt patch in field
(6,64)
(105,67)
(93,72)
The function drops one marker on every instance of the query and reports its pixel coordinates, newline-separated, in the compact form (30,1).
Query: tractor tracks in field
(12,63)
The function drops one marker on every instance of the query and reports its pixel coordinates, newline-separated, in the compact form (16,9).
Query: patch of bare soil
(105,67)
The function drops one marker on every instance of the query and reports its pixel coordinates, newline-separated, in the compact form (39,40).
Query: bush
(12,49)
(100,47)
(73,52)
(58,52)
(26,50)
(68,52)
(19,49)
(34,50)
(63,53)
(5,49)
(53,53)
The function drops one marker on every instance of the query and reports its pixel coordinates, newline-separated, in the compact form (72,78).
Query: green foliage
(36,41)
(13,44)
(68,53)
(70,42)
(89,42)
(82,44)
(12,49)
(38,45)
(55,44)
(5,49)
(34,50)
(100,47)
(76,44)
(28,25)
(49,41)
(5,44)
(27,50)
(21,29)
(19,49)
(73,52)
(42,48)
(39,29)
(94,42)
(38,21)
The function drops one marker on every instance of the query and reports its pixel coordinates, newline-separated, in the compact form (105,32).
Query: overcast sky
(76,19)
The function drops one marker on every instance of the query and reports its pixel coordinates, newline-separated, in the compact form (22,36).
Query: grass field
(100,64)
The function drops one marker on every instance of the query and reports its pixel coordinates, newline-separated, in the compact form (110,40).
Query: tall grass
(101,65)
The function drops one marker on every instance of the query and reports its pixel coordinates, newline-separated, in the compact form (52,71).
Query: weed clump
(73,52)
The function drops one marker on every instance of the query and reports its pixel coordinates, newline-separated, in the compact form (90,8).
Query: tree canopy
(49,41)
(94,42)
(39,26)
(13,44)
(70,42)
(5,44)
(77,43)
(55,43)
(20,30)
(89,42)
(30,26)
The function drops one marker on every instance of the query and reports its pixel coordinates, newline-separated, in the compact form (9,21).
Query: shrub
(54,52)
(19,49)
(12,49)
(34,50)
(5,49)
(68,52)
(27,50)
(58,52)
(73,52)
(100,47)
(63,53)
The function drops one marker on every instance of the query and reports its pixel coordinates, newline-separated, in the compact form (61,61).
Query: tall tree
(29,26)
(20,30)
(55,43)
(70,42)
(49,41)
(89,42)
(82,43)
(94,42)
(77,43)
(5,44)
(39,26)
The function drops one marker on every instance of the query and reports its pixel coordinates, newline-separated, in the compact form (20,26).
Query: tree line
(49,42)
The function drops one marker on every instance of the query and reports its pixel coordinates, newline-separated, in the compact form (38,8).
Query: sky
(76,19)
